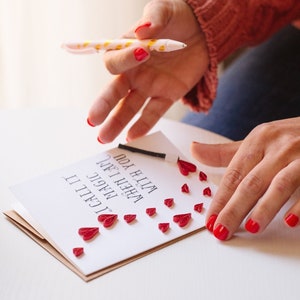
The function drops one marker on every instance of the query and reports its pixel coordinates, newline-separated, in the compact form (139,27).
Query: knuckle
(265,212)
(283,183)
(232,218)
(289,147)
(232,179)
(264,129)
(253,155)
(111,66)
(252,184)
(232,214)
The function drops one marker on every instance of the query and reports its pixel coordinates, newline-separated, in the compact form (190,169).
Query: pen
(89,47)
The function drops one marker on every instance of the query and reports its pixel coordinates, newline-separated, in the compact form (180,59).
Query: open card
(110,209)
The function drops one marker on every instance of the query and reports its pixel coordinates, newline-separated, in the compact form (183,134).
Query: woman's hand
(154,79)
(263,172)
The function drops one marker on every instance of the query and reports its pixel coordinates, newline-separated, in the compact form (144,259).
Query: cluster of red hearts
(109,220)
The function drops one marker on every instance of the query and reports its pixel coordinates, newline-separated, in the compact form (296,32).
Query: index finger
(108,99)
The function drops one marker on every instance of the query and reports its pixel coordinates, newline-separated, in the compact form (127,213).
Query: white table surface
(36,141)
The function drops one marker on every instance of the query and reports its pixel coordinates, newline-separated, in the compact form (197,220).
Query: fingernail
(145,25)
(140,54)
(221,232)
(252,226)
(99,140)
(89,122)
(211,222)
(291,220)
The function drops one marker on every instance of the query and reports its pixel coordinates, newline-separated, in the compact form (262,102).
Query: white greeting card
(106,210)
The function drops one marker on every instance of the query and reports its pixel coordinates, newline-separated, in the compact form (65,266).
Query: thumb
(215,155)
(154,20)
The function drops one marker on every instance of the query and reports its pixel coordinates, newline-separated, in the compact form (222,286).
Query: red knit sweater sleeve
(229,25)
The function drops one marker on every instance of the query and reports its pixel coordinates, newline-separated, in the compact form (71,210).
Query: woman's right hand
(157,78)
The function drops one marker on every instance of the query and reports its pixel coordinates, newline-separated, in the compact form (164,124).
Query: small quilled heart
(182,219)
(185,167)
(78,251)
(151,211)
(88,233)
(107,220)
(163,227)
(207,192)
(169,202)
(198,207)
(129,218)
(202,176)
(185,188)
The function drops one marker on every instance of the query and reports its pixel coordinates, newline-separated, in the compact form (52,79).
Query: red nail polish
(291,220)
(99,140)
(89,122)
(252,226)
(211,222)
(140,54)
(221,232)
(145,25)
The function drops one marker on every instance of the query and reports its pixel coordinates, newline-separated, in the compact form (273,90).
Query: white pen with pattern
(90,47)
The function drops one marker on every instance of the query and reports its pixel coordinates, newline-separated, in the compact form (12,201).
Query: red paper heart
(88,233)
(169,202)
(185,188)
(202,176)
(107,220)
(163,227)
(78,251)
(182,219)
(207,192)
(185,167)
(184,171)
(129,218)
(151,211)
(198,207)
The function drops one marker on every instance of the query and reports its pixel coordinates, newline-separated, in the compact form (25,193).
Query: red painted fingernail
(291,220)
(221,232)
(211,222)
(252,226)
(145,25)
(99,140)
(89,122)
(140,54)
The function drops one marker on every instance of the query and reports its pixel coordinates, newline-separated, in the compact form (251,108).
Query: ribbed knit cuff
(219,22)
(229,25)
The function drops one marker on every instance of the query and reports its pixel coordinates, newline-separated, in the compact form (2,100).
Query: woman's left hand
(263,171)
